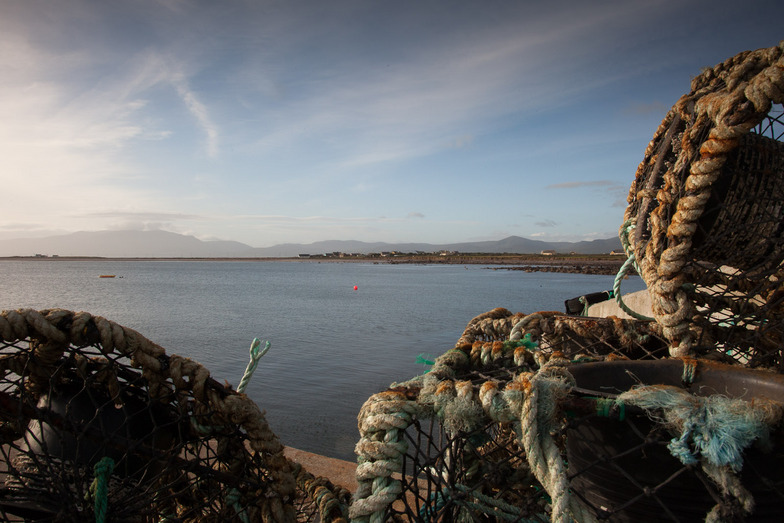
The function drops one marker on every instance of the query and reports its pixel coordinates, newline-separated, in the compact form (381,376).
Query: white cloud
(200,112)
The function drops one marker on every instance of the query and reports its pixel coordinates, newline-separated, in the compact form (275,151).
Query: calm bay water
(332,346)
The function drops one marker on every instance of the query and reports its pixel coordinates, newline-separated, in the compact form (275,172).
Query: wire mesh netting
(97,423)
(558,420)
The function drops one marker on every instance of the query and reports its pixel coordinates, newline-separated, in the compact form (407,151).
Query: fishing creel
(446,446)
(705,220)
(542,417)
(97,423)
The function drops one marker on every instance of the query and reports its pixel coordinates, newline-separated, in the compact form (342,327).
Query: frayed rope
(716,427)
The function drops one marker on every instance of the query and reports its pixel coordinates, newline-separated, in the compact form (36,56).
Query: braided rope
(255,355)
(331,500)
(383,420)
(99,487)
(487,505)
(544,389)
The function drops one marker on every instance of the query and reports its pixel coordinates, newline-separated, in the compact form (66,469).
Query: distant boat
(106,276)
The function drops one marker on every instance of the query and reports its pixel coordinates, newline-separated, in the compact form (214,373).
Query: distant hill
(124,244)
(161,244)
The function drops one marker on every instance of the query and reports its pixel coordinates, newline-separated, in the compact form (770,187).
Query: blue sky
(271,122)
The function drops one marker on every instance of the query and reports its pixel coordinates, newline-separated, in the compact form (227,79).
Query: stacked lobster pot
(554,417)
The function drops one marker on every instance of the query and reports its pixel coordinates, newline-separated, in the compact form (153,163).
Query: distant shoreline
(574,263)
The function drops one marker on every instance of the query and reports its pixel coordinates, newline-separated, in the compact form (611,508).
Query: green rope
(586,305)
(425,359)
(99,488)
(626,228)
(233,500)
(255,356)
(435,502)
(713,428)
(604,407)
(630,261)
(689,371)
(493,506)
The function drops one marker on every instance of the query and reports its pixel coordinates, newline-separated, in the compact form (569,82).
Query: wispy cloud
(200,112)
(578,185)
(339,111)
(410,108)
(135,215)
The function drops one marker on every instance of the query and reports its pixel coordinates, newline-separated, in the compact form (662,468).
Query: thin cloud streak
(578,185)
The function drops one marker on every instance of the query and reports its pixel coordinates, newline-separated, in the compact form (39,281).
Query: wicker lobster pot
(705,220)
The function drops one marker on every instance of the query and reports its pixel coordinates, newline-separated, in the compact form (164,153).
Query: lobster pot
(454,455)
(539,429)
(705,220)
(98,423)
(733,273)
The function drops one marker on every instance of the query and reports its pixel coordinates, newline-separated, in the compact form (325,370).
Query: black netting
(89,434)
(618,457)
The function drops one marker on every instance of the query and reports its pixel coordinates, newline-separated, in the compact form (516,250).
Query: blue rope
(255,356)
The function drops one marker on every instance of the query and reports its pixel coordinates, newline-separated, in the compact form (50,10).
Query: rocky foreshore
(599,264)
(588,268)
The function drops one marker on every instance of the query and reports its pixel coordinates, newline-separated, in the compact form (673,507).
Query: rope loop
(630,261)
(255,356)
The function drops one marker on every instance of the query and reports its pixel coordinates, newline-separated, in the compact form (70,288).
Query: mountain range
(162,244)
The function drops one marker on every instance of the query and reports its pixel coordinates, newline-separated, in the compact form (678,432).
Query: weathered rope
(255,355)
(712,431)
(544,390)
(383,420)
(521,343)
(697,136)
(331,500)
(232,499)
(483,504)
(630,261)
(716,428)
